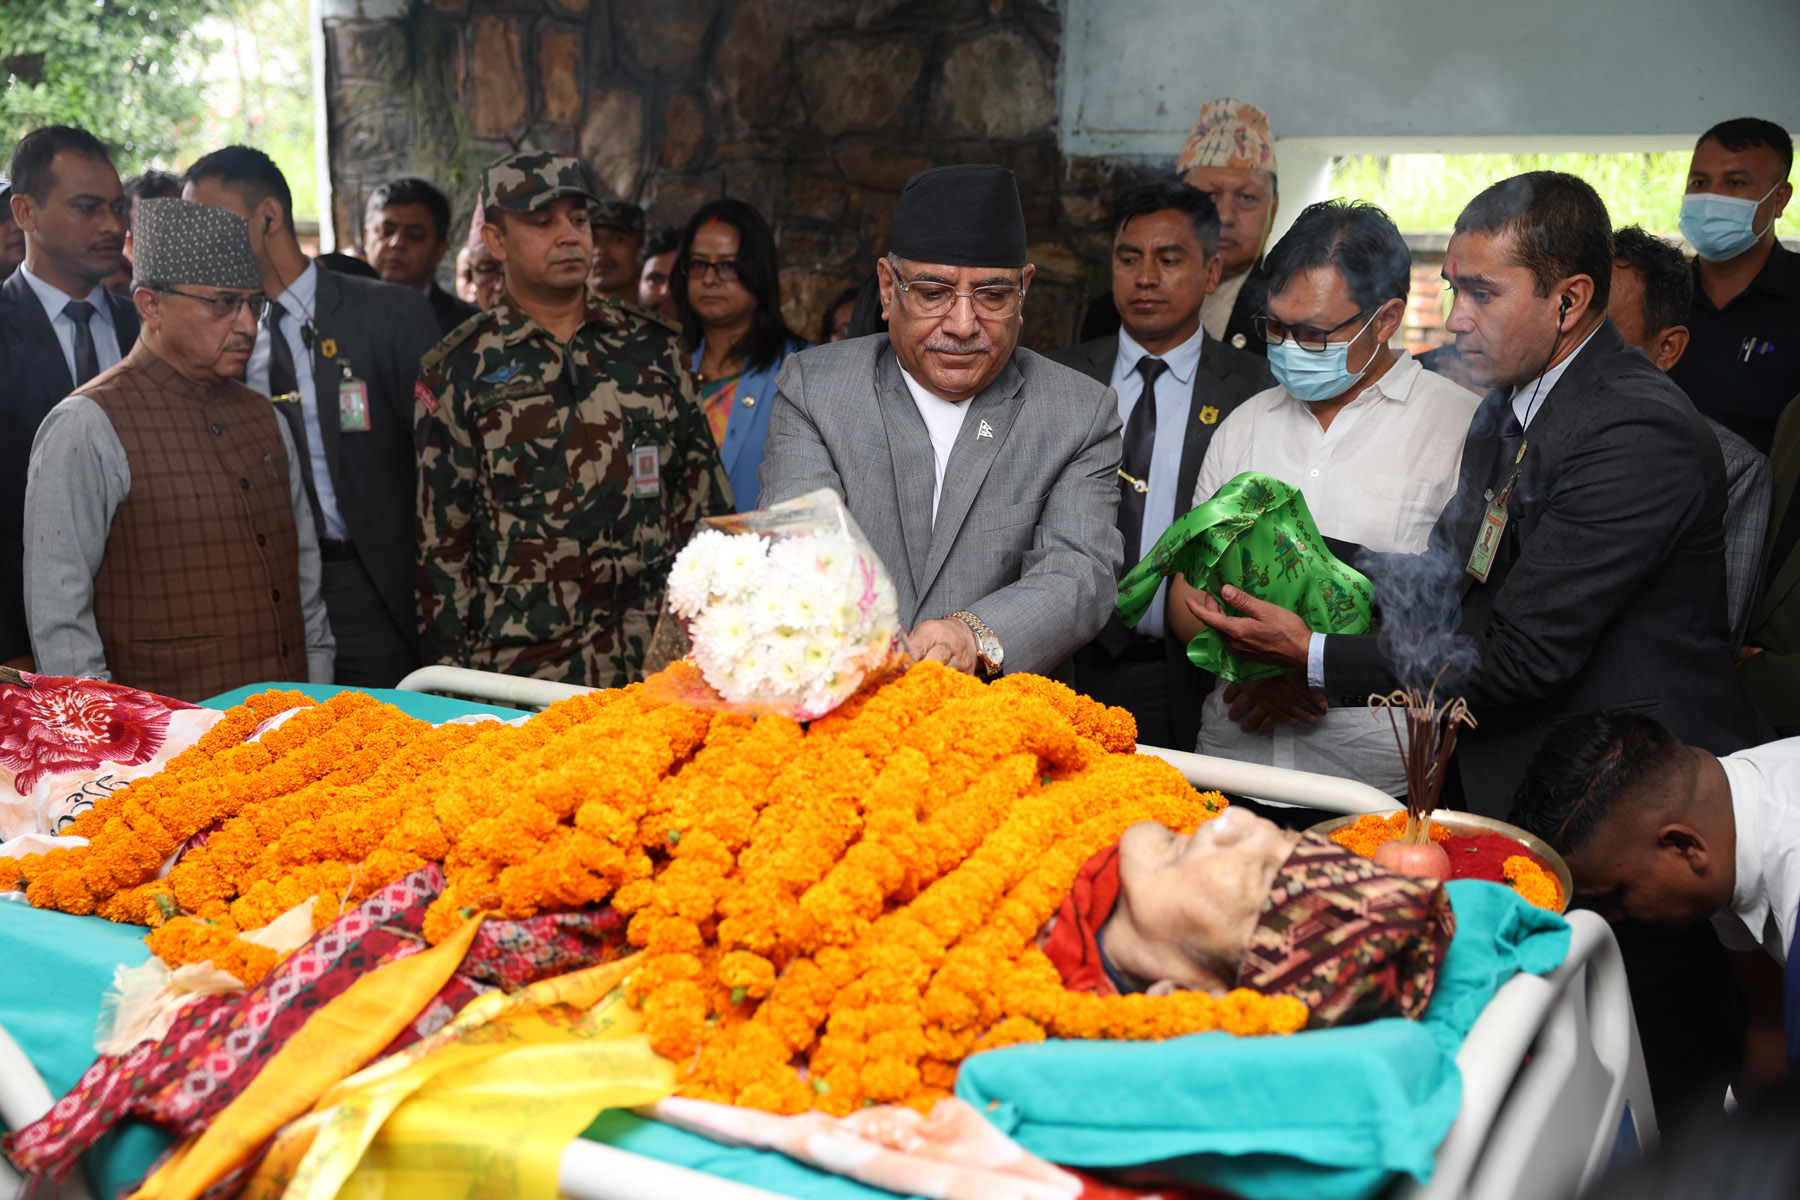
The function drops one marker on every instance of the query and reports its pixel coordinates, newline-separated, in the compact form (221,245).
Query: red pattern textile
(50,724)
(1073,944)
(1354,941)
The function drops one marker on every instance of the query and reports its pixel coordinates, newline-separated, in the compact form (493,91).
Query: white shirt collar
(54,298)
(1534,392)
(1182,359)
(301,298)
(1750,890)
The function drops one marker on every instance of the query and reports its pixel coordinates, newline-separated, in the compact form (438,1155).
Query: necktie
(1140,447)
(1512,436)
(283,382)
(87,359)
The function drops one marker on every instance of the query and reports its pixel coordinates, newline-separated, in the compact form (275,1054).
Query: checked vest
(199,589)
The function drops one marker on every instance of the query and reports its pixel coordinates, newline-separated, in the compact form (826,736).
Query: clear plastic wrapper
(785,610)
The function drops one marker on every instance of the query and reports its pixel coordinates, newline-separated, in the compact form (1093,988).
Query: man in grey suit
(340,356)
(985,476)
(1165,263)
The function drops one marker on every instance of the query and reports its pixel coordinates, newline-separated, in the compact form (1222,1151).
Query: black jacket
(449,310)
(1607,589)
(1225,379)
(379,331)
(34,376)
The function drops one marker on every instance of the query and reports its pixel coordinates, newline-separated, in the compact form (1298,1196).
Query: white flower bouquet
(786,609)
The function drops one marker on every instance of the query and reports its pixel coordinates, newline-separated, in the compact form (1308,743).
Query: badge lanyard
(1493,521)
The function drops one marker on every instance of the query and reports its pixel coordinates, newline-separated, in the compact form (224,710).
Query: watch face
(990,649)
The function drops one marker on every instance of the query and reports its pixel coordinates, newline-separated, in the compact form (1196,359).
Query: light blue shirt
(299,301)
(106,334)
(1174,391)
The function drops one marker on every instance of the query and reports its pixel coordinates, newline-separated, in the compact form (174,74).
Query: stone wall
(816,111)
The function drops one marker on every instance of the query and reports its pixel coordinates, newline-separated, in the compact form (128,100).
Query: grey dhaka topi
(181,243)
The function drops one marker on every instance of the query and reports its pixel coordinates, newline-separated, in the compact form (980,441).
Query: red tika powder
(1482,855)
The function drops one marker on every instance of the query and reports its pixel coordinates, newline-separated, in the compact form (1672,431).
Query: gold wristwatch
(990,656)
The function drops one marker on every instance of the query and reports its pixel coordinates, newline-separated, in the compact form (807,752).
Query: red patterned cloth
(1353,940)
(515,954)
(1073,943)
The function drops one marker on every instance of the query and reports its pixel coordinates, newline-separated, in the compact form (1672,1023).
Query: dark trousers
(372,649)
(1137,681)
(1690,1018)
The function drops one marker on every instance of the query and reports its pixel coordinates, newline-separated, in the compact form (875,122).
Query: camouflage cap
(530,179)
(621,215)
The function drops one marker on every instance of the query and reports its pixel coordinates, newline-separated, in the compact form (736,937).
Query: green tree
(115,67)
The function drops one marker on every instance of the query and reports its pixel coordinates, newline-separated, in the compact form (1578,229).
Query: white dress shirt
(100,325)
(943,421)
(1379,476)
(1174,392)
(1765,803)
(299,302)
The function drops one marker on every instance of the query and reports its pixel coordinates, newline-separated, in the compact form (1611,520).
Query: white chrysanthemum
(691,577)
(742,565)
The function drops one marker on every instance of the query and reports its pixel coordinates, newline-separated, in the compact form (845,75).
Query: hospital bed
(1554,1086)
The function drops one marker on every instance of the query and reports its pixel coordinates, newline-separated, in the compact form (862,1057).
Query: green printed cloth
(1255,534)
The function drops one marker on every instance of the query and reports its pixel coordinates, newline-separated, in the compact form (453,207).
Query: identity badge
(1493,527)
(646,471)
(353,406)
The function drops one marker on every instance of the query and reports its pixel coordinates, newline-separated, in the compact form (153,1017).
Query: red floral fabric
(51,724)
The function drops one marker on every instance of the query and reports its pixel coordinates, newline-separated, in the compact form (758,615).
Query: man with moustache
(59,327)
(172,545)
(563,457)
(985,476)
(1165,263)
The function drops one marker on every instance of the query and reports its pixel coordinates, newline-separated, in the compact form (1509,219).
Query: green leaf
(820,1086)
(674,837)
(738,994)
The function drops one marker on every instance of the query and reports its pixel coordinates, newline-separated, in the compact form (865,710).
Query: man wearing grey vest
(170,542)
(985,476)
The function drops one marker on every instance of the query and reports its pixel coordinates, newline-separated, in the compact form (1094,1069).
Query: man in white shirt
(1668,834)
(1373,441)
(59,327)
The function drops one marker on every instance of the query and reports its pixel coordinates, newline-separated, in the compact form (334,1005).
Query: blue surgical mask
(1720,227)
(1311,377)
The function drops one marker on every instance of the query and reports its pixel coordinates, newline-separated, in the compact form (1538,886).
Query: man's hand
(1265,633)
(948,641)
(1259,705)
(1746,653)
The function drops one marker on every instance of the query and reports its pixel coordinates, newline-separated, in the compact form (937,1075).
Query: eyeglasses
(927,299)
(725,268)
(223,308)
(1307,337)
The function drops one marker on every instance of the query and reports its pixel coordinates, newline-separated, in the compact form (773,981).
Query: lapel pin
(1239,340)
(328,347)
(1208,415)
(986,431)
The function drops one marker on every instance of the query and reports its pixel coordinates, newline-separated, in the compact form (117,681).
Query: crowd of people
(1589,504)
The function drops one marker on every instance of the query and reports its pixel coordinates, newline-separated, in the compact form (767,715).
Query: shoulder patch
(425,396)
(453,339)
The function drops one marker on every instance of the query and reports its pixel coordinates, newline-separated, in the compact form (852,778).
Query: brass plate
(1462,822)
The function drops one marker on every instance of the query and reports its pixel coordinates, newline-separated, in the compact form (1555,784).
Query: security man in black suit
(406,233)
(1165,262)
(59,327)
(1580,566)
(340,355)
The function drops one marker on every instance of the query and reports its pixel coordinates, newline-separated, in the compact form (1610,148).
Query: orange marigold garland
(831,915)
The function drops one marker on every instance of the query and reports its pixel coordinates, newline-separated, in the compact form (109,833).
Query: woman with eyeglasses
(727,294)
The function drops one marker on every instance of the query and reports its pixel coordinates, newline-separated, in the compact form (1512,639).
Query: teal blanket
(1325,1115)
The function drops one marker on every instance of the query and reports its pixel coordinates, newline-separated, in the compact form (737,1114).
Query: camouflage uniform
(542,551)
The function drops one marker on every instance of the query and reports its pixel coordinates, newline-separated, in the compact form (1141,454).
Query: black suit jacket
(1252,299)
(380,331)
(1226,378)
(449,311)
(34,376)
(1608,586)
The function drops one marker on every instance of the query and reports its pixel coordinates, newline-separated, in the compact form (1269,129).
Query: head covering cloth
(1229,133)
(961,216)
(1351,940)
(181,243)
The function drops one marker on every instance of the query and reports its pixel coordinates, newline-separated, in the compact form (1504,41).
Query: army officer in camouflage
(563,458)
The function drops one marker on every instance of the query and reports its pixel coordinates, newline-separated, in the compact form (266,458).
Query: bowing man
(985,476)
